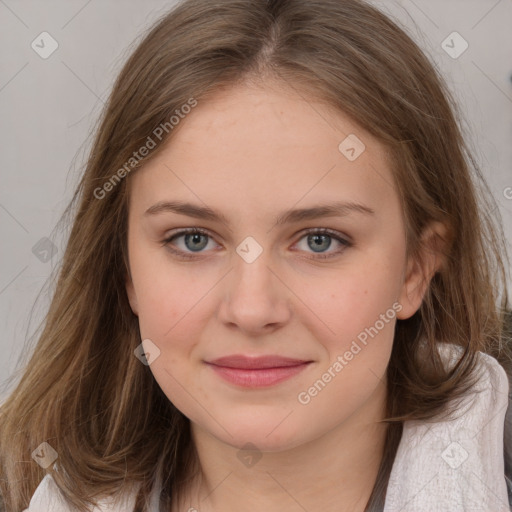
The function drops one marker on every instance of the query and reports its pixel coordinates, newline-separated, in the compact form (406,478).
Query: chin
(265,436)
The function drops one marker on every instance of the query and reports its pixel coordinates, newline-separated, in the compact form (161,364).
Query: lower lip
(257,378)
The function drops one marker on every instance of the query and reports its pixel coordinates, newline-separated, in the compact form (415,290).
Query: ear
(421,268)
(130,292)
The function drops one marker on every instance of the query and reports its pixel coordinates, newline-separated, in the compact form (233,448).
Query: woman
(256,370)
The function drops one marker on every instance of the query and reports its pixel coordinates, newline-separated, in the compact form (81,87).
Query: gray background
(49,107)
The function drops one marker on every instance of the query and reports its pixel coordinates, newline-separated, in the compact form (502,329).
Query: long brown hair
(85,393)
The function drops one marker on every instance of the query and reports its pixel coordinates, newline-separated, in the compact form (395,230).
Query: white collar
(456,466)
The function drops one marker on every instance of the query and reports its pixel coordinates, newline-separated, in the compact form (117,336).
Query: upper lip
(256,362)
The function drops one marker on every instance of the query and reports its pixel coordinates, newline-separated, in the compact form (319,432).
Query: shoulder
(47,496)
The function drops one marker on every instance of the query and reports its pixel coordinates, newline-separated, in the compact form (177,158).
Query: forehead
(270,145)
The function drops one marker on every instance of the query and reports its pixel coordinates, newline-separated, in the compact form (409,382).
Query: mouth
(255,372)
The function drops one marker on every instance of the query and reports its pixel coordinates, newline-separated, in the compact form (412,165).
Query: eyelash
(319,231)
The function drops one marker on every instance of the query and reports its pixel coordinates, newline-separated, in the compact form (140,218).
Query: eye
(195,240)
(320,238)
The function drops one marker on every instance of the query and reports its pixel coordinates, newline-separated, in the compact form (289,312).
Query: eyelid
(327,231)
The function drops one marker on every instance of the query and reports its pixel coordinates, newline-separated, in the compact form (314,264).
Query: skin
(252,152)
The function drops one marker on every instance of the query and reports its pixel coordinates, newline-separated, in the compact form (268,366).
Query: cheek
(166,293)
(169,307)
(355,321)
(172,315)
(352,300)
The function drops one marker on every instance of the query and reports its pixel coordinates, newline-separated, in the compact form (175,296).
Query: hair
(85,393)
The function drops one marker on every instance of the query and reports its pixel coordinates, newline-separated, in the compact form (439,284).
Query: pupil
(195,237)
(316,239)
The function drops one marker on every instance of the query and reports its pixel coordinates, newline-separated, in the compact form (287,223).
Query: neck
(333,473)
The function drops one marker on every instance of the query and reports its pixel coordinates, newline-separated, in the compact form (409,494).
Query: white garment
(448,466)
(456,466)
(47,498)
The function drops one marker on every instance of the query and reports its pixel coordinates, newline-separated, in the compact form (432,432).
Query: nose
(255,298)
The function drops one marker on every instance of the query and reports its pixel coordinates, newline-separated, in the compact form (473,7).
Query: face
(323,289)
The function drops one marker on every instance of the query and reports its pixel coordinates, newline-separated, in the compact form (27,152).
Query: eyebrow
(337,209)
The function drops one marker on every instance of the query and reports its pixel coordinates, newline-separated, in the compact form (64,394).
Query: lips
(242,362)
(257,372)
